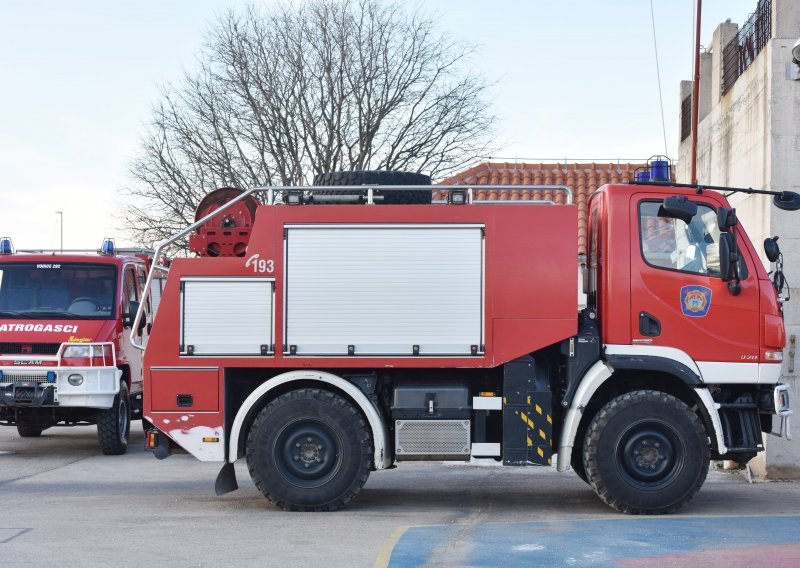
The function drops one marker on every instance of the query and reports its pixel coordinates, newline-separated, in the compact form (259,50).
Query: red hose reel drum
(228,233)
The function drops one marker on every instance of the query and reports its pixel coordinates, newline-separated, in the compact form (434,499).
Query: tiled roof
(583,179)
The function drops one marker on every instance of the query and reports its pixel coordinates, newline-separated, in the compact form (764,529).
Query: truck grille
(7,348)
(23,377)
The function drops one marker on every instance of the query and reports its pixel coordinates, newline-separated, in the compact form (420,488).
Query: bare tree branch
(285,93)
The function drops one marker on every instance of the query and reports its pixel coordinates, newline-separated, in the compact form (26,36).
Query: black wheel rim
(307,453)
(650,454)
(122,421)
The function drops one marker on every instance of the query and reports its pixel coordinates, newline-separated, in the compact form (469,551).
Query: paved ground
(64,504)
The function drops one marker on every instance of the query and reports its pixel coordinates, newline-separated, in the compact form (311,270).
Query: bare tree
(283,94)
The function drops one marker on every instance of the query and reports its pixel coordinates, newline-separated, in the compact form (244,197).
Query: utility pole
(696,94)
(61,226)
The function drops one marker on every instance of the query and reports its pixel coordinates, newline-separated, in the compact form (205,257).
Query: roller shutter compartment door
(384,290)
(226,316)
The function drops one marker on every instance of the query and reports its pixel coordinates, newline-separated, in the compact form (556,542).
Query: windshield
(53,290)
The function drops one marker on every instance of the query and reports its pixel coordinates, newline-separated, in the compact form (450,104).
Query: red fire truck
(65,354)
(322,334)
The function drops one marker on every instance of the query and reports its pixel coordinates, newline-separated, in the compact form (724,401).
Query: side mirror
(771,249)
(787,200)
(728,257)
(726,218)
(678,207)
(130,315)
(729,263)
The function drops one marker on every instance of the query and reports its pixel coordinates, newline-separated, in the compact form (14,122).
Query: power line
(658,76)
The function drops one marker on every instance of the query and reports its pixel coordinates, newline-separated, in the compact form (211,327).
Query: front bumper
(49,386)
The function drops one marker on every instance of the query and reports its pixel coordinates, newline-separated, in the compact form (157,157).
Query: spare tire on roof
(379,177)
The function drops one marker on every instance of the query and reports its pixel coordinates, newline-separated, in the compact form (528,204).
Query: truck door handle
(649,325)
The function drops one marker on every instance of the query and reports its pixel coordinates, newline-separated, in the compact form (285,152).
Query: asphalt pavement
(65,504)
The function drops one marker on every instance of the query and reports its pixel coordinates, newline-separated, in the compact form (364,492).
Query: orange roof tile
(583,179)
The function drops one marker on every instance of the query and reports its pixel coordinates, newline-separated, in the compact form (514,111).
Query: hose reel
(228,233)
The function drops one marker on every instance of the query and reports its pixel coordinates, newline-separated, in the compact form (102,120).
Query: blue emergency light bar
(5,246)
(108,247)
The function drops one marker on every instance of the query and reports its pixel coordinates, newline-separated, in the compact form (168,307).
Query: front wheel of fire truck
(646,452)
(309,450)
(114,424)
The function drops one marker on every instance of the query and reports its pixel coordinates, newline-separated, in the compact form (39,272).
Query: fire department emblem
(695,301)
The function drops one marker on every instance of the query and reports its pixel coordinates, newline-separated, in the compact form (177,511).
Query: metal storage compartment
(377,290)
(431,421)
(226,316)
(417,400)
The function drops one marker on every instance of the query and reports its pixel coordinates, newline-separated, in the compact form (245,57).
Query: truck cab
(686,303)
(65,346)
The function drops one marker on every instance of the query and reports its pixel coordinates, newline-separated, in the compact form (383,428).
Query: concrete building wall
(750,137)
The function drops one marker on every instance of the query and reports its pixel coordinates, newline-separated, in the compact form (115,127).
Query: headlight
(75,380)
(77,352)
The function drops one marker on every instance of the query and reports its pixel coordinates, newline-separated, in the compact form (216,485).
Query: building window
(686,118)
(743,49)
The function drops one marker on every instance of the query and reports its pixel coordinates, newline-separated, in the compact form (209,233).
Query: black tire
(380,177)
(646,452)
(114,424)
(576,463)
(27,431)
(309,450)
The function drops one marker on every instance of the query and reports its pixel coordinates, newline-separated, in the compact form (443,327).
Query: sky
(574,79)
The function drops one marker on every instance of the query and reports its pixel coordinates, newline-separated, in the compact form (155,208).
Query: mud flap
(527,414)
(226,480)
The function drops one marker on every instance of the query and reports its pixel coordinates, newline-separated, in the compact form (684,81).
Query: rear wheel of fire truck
(114,424)
(309,450)
(27,431)
(646,452)
(380,177)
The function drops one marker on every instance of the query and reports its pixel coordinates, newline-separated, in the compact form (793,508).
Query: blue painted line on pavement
(586,542)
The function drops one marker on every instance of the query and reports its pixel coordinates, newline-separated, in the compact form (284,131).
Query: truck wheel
(26,431)
(309,450)
(576,463)
(646,452)
(114,424)
(379,177)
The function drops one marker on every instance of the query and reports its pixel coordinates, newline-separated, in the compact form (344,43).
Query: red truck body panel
(530,300)
(530,288)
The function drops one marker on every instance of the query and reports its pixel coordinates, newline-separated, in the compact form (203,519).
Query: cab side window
(141,275)
(129,290)
(673,244)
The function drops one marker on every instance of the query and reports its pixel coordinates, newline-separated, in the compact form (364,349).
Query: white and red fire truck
(323,334)
(65,351)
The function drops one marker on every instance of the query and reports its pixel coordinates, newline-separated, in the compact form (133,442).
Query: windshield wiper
(15,315)
(60,314)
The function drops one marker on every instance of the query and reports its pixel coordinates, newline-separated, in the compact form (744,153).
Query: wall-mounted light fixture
(793,68)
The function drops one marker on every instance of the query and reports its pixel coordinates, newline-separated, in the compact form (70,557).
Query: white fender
(713,411)
(591,381)
(379,431)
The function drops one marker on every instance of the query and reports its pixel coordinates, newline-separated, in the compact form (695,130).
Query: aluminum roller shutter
(384,289)
(227,316)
